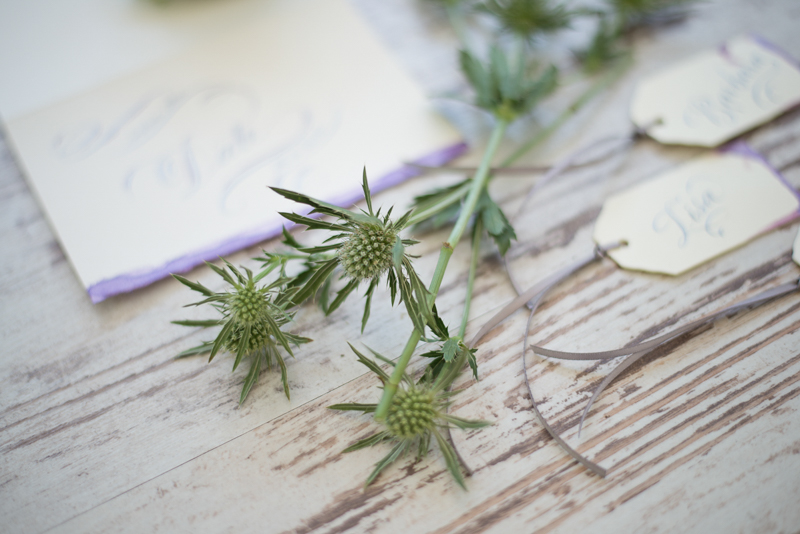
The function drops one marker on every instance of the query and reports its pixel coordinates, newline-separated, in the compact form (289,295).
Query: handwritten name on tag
(796,255)
(717,95)
(691,214)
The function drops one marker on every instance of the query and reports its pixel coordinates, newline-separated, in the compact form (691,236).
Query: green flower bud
(367,253)
(413,413)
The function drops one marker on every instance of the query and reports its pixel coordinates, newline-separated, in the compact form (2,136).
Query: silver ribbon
(533,296)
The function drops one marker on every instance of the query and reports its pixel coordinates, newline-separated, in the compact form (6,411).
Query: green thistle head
(418,413)
(365,246)
(251,322)
(413,413)
(367,252)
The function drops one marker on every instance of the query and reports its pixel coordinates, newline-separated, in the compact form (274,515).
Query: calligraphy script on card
(695,212)
(157,171)
(716,95)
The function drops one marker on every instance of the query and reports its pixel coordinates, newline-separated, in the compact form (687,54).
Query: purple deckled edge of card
(125,283)
(743,149)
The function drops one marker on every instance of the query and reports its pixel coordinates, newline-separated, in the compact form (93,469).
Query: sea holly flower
(365,246)
(251,322)
(418,414)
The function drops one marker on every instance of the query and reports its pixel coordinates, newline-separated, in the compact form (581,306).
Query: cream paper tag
(717,95)
(796,255)
(691,214)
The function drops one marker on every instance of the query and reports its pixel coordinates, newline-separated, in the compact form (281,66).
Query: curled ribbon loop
(534,295)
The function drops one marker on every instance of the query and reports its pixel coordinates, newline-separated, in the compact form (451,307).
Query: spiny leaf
(197,286)
(275,330)
(313,224)
(367,195)
(203,324)
(395,453)
(284,374)
(450,459)
(400,223)
(368,304)
(495,222)
(398,251)
(465,424)
(437,325)
(366,408)
(415,310)
(289,240)
(200,349)
(297,340)
(222,338)
(367,442)
(342,295)
(391,280)
(244,343)
(369,364)
(317,250)
(473,363)
(222,272)
(420,290)
(252,377)
(318,205)
(449,349)
(325,294)
(321,273)
(235,271)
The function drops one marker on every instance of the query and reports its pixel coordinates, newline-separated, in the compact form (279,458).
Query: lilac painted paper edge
(125,283)
(743,149)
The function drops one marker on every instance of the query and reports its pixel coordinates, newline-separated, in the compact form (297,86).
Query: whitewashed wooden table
(102,431)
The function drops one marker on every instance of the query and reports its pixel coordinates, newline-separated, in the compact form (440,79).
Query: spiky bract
(251,323)
(366,246)
(417,414)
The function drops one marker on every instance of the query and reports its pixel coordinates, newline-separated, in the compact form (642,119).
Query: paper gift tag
(717,95)
(796,255)
(695,212)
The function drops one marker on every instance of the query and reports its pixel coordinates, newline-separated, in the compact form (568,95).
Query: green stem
(477,232)
(478,183)
(572,109)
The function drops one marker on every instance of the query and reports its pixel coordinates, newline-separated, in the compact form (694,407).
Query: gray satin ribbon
(533,296)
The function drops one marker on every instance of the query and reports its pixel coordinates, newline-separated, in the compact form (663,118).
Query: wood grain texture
(102,431)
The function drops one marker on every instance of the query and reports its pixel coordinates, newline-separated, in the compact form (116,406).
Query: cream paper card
(695,212)
(159,170)
(717,95)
